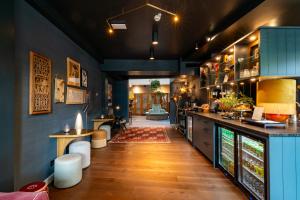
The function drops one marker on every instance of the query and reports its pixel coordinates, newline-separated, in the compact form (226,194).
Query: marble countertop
(289,131)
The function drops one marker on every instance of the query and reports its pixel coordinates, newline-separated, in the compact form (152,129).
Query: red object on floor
(142,135)
(38,186)
(24,196)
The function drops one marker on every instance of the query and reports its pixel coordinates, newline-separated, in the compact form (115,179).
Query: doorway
(146,100)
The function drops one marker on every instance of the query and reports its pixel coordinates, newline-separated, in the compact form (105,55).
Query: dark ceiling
(84,22)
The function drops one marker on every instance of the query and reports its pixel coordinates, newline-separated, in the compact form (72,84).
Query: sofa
(157,113)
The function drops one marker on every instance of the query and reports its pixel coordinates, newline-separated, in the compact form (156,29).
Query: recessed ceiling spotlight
(252,38)
(242,83)
(231,50)
(118,25)
(232,83)
(208,88)
(218,86)
(253,79)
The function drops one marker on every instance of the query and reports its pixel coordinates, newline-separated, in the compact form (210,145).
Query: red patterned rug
(142,135)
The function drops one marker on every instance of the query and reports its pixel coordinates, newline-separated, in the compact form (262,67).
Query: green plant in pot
(155,85)
(229,102)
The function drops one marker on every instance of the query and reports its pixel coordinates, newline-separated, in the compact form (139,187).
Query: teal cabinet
(280,51)
(284,156)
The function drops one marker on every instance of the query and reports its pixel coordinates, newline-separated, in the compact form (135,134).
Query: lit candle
(67,128)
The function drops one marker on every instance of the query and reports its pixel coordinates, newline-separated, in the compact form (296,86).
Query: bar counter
(291,130)
(210,134)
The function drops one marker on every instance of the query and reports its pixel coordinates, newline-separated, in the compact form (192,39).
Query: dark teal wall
(34,32)
(120,97)
(7,89)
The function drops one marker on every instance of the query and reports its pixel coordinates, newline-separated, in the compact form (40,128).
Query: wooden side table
(99,122)
(63,139)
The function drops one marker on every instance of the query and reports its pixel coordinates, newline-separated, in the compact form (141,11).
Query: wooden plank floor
(150,172)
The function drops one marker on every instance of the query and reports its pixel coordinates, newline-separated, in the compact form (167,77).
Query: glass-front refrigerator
(226,150)
(190,128)
(252,165)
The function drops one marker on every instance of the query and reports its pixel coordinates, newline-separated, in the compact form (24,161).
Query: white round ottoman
(107,129)
(84,149)
(67,170)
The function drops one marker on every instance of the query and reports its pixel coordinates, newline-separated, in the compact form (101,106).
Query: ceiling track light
(151,53)
(155,34)
(108,20)
(209,39)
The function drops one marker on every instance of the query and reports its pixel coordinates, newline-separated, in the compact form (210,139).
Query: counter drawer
(203,136)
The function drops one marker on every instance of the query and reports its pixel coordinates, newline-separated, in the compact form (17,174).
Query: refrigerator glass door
(251,165)
(190,128)
(226,150)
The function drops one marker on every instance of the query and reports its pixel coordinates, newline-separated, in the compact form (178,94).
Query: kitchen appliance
(226,146)
(190,128)
(251,166)
(242,158)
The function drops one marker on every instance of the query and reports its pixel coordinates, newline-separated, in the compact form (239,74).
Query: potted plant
(228,103)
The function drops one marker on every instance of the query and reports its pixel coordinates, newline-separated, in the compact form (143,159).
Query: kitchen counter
(290,130)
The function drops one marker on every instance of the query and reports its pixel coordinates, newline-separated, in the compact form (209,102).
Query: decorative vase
(78,124)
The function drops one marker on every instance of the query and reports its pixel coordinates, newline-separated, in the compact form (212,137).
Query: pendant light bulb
(110,31)
(155,34)
(151,53)
(176,19)
(196,47)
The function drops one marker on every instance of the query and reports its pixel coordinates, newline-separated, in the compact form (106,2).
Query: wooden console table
(99,122)
(63,139)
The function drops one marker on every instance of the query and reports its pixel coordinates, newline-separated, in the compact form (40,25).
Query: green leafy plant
(228,102)
(155,84)
(244,99)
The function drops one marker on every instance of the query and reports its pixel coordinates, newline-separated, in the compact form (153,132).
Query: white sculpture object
(78,124)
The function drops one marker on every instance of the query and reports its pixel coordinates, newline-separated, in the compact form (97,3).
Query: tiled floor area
(141,121)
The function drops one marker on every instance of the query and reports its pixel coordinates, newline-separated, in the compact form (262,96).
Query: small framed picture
(59,94)
(84,78)
(75,96)
(73,72)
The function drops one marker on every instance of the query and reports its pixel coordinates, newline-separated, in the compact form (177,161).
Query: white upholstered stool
(67,170)
(84,149)
(99,139)
(107,128)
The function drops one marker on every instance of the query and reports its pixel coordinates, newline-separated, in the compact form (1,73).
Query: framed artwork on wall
(75,96)
(39,84)
(73,72)
(84,78)
(59,92)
